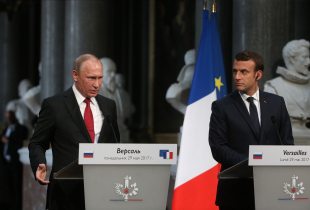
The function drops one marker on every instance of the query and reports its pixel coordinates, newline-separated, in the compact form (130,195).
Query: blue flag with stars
(218,64)
(209,70)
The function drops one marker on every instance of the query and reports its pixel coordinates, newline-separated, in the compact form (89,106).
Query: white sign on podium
(136,154)
(126,176)
(281,177)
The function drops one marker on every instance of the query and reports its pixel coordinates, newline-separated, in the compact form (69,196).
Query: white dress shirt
(97,113)
(255,101)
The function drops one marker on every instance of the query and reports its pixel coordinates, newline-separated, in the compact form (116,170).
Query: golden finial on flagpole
(204,4)
(214,6)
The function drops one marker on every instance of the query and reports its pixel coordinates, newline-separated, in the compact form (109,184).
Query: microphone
(109,121)
(274,121)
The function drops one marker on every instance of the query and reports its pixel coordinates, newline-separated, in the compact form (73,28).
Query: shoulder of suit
(60,96)
(227,99)
(104,99)
(271,96)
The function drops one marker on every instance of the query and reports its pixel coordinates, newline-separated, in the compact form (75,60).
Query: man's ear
(259,74)
(75,75)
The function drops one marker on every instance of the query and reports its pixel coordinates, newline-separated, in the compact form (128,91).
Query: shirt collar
(79,97)
(245,96)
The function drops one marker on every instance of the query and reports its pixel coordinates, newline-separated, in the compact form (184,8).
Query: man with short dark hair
(67,119)
(240,119)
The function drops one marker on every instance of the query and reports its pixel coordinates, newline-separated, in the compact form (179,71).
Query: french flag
(169,155)
(196,180)
(166,154)
(88,154)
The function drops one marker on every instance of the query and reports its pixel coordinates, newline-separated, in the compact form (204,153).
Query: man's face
(10,117)
(245,77)
(301,62)
(88,81)
(7,117)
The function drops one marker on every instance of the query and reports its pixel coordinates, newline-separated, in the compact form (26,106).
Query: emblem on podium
(293,189)
(127,190)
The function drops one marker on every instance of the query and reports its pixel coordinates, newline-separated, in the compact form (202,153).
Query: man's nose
(237,75)
(96,83)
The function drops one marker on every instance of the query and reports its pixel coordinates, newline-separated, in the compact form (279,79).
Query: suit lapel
(105,112)
(264,105)
(75,112)
(243,110)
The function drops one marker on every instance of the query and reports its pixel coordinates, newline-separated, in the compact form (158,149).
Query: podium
(123,176)
(281,176)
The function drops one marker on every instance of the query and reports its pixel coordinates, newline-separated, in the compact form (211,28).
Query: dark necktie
(254,114)
(89,120)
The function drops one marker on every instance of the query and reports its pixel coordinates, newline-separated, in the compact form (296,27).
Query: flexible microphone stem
(274,121)
(109,120)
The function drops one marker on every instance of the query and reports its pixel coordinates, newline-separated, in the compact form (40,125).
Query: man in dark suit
(75,116)
(12,140)
(243,118)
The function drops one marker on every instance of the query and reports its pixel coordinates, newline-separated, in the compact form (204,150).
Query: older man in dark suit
(243,118)
(67,119)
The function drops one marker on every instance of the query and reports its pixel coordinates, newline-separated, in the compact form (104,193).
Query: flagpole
(214,6)
(204,4)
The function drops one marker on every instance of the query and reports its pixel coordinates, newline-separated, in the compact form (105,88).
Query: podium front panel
(282,187)
(130,187)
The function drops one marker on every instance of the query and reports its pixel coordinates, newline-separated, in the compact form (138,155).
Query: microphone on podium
(109,121)
(274,121)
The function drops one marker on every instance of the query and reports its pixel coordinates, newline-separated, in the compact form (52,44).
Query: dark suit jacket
(16,141)
(61,124)
(13,169)
(232,131)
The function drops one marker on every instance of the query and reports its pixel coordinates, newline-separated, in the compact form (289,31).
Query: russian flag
(258,155)
(88,154)
(196,180)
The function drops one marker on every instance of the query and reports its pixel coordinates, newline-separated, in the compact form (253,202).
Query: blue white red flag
(258,155)
(88,154)
(196,181)
(166,154)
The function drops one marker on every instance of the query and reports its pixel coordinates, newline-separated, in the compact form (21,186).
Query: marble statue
(293,85)
(32,97)
(22,113)
(178,93)
(113,87)
(124,98)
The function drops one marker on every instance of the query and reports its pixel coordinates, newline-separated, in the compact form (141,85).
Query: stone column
(10,64)
(263,26)
(52,47)
(88,29)
(302,17)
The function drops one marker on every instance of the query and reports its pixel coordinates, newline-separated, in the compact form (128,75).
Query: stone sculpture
(32,97)
(293,85)
(113,88)
(178,93)
(18,106)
